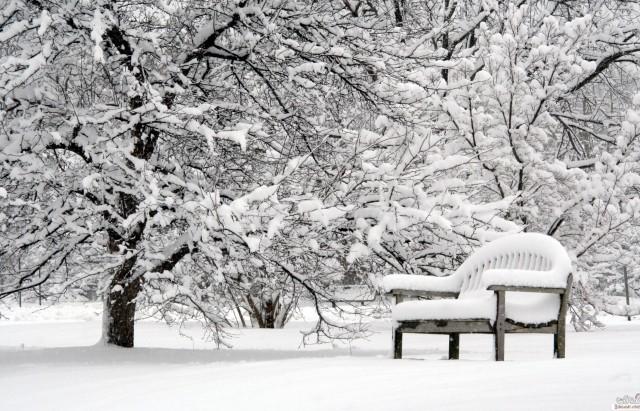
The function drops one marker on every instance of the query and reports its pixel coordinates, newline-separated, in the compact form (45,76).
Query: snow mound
(67,311)
(525,278)
(526,308)
(421,283)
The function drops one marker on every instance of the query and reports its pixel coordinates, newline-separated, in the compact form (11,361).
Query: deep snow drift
(48,362)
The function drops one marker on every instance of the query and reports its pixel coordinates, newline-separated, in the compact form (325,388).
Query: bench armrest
(422,293)
(405,283)
(525,280)
(550,290)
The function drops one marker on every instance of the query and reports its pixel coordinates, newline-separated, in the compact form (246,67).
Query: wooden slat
(422,293)
(551,290)
(510,328)
(446,326)
(472,327)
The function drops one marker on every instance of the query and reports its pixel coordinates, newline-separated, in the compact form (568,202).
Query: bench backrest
(524,251)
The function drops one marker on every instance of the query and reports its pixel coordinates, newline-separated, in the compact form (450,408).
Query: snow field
(55,365)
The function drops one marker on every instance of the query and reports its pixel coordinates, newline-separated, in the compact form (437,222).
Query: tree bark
(120,303)
(270,314)
(120,306)
(267,313)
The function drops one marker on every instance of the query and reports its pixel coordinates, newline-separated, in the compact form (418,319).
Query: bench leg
(397,344)
(499,345)
(499,326)
(559,344)
(454,346)
(559,336)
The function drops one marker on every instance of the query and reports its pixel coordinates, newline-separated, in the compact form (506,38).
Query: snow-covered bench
(516,284)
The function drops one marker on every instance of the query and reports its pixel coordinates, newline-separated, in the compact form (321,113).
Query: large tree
(147,145)
(135,136)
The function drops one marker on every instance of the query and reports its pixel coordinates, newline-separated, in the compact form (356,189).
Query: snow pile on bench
(526,308)
(520,260)
(421,282)
(526,278)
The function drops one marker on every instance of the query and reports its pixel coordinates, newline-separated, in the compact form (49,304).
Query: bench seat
(525,308)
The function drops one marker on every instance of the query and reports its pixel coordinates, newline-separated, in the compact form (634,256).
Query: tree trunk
(120,306)
(268,312)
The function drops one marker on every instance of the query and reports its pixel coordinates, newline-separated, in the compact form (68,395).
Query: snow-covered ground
(48,361)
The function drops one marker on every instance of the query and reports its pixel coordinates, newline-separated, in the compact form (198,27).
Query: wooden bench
(516,284)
